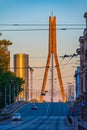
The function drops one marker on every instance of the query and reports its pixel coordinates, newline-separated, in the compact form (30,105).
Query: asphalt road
(48,116)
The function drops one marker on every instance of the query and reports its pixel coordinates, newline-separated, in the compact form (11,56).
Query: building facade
(70,92)
(82,51)
(21,69)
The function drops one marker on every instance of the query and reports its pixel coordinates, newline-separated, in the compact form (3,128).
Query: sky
(35,43)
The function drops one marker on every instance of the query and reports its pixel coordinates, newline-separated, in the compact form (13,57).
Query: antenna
(52,13)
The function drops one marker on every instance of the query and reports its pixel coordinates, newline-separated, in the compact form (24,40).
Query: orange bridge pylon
(52,50)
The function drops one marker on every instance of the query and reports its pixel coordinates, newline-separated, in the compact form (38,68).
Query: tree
(10,84)
(8,81)
(4,54)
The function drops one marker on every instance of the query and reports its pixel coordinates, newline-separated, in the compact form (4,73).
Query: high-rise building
(21,66)
(70,92)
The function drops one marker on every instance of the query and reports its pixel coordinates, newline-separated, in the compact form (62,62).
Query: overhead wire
(40,29)
(67,56)
(20,24)
(66,27)
(66,63)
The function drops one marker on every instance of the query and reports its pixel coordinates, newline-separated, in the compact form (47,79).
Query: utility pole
(31,79)
(52,70)
(10,94)
(5,96)
(14,93)
(31,70)
(17,92)
(52,80)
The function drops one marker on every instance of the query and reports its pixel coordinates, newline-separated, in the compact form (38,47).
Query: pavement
(76,120)
(79,124)
(82,124)
(8,110)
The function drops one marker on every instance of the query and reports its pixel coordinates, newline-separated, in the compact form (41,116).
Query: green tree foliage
(10,84)
(4,54)
(9,81)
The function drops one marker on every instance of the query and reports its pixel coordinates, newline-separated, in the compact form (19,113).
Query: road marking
(46,128)
(47,108)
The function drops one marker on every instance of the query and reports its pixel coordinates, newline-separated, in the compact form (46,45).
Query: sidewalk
(82,125)
(75,119)
(73,122)
(78,123)
(8,110)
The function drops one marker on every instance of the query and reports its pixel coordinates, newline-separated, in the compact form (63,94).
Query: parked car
(16,117)
(34,107)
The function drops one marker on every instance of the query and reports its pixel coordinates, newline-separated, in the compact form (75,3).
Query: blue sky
(38,11)
(22,10)
(35,43)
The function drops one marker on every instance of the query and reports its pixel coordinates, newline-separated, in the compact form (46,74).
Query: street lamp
(31,71)
(17,92)
(5,96)
(10,93)
(0,34)
(14,92)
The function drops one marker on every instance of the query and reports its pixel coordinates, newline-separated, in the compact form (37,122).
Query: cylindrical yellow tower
(21,64)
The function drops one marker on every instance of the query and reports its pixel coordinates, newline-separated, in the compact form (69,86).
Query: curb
(3,118)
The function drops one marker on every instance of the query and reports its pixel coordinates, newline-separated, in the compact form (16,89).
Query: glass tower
(21,66)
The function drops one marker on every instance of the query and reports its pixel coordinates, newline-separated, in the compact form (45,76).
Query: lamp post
(14,93)
(0,34)
(31,71)
(17,92)
(10,93)
(5,96)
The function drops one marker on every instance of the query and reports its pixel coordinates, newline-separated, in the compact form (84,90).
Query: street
(48,116)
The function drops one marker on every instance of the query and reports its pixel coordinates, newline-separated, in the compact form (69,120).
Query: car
(34,107)
(16,117)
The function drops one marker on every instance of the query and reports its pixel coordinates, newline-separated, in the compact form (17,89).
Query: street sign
(82,103)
